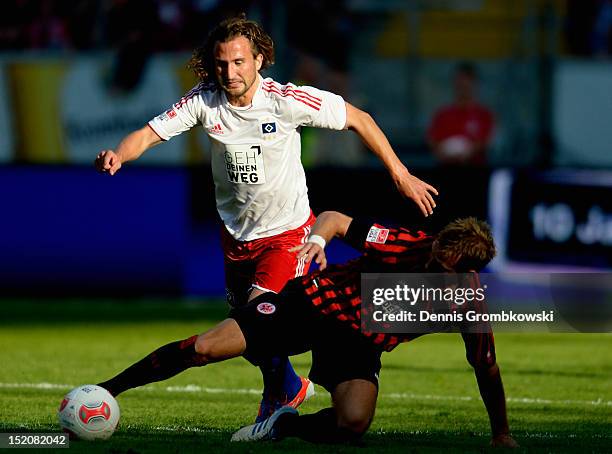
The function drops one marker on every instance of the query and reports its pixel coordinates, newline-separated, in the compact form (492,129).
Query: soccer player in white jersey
(261,194)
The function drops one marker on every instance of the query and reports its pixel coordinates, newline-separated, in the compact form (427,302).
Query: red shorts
(265,263)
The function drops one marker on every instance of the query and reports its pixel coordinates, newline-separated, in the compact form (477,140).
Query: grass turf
(559,386)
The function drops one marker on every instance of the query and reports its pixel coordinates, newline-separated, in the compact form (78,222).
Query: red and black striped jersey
(336,291)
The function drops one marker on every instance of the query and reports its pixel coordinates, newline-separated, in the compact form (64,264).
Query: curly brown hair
(202,62)
(468,239)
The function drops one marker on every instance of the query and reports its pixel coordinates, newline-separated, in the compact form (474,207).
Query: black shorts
(341,353)
(289,324)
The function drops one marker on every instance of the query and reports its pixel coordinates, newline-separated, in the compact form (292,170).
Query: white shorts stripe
(301,264)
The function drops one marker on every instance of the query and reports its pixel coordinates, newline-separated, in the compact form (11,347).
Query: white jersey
(260,185)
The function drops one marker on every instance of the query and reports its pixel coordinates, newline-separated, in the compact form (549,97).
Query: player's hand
(420,192)
(504,441)
(107,161)
(311,251)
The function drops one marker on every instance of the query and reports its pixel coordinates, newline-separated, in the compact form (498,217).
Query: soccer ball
(89,412)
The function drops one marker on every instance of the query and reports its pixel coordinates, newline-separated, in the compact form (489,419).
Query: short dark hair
(202,62)
(468,239)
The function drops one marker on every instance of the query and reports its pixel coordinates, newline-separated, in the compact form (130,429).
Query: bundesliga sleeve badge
(377,235)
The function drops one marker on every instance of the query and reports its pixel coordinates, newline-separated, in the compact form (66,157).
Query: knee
(355,424)
(204,348)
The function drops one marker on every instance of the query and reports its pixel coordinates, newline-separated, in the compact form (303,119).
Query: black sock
(320,427)
(163,363)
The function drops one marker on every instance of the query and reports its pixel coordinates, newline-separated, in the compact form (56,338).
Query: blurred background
(505,106)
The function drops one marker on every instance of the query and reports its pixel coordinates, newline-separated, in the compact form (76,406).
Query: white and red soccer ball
(89,412)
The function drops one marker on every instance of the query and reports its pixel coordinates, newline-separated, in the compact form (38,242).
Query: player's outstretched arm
(373,137)
(329,224)
(130,148)
(492,393)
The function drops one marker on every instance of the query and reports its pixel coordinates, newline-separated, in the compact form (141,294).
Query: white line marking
(407,396)
(522,400)
(200,389)
(36,386)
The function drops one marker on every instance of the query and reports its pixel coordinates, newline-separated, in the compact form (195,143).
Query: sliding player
(327,303)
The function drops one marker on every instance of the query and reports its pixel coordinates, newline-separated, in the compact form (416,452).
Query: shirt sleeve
(317,108)
(372,236)
(181,116)
(357,233)
(387,244)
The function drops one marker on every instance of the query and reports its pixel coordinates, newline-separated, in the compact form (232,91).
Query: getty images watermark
(527,302)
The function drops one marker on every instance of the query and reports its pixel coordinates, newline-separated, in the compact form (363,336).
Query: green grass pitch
(559,386)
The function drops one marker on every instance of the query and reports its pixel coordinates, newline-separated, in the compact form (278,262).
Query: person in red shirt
(461,132)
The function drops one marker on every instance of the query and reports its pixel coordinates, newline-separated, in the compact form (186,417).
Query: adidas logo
(216,129)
